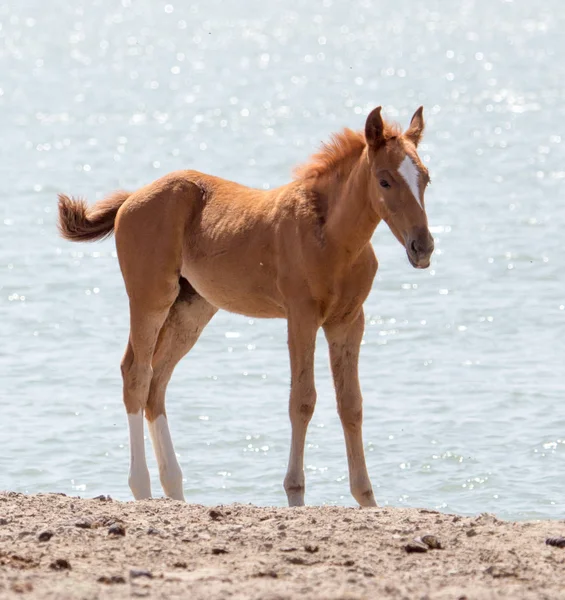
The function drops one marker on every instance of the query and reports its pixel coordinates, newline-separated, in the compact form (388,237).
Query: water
(462,365)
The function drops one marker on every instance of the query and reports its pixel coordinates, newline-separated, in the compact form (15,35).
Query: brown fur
(342,148)
(189,244)
(79,223)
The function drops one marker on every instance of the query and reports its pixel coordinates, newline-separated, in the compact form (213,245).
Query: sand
(55,546)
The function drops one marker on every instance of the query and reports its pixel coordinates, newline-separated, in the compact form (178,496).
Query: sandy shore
(54,546)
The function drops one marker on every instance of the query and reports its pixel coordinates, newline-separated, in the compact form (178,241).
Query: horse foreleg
(301,344)
(344,341)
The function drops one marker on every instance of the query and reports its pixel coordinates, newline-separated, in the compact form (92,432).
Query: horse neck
(352,220)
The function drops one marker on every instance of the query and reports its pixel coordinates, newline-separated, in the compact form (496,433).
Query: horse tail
(80,223)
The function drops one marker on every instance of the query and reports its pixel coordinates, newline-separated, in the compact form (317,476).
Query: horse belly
(236,288)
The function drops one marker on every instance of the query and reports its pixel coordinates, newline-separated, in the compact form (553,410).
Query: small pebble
(103,498)
(116,529)
(431,541)
(21,587)
(60,564)
(83,524)
(135,573)
(153,531)
(558,542)
(45,536)
(219,551)
(105,521)
(471,533)
(112,579)
(416,547)
(310,548)
(4,521)
(272,574)
(180,565)
(215,515)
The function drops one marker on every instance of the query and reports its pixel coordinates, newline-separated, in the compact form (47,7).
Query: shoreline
(57,546)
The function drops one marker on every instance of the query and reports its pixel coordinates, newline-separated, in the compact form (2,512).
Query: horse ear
(416,129)
(374,128)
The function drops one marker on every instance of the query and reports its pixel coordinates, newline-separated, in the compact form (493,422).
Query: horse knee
(351,417)
(306,409)
(303,408)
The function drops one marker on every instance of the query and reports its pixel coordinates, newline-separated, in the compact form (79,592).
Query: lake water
(463,365)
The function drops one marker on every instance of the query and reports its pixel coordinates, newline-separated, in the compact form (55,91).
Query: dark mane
(341,148)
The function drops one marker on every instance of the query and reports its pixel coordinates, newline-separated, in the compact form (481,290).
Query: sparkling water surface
(463,365)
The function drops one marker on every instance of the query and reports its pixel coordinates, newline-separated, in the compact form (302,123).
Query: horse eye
(384,183)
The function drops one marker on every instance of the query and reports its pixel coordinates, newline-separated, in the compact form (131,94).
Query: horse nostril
(413,247)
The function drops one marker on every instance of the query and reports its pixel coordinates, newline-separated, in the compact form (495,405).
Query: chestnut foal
(189,244)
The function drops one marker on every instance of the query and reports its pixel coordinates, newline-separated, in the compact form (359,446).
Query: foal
(189,244)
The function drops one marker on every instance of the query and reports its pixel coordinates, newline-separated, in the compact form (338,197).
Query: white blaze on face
(410,174)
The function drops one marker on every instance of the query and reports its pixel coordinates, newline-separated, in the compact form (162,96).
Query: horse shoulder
(356,283)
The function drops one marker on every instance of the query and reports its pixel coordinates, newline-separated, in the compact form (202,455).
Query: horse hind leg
(149,252)
(187,317)
(137,374)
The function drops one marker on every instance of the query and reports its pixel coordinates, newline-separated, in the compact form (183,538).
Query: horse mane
(335,154)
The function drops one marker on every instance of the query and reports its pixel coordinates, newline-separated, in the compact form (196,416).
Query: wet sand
(55,546)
